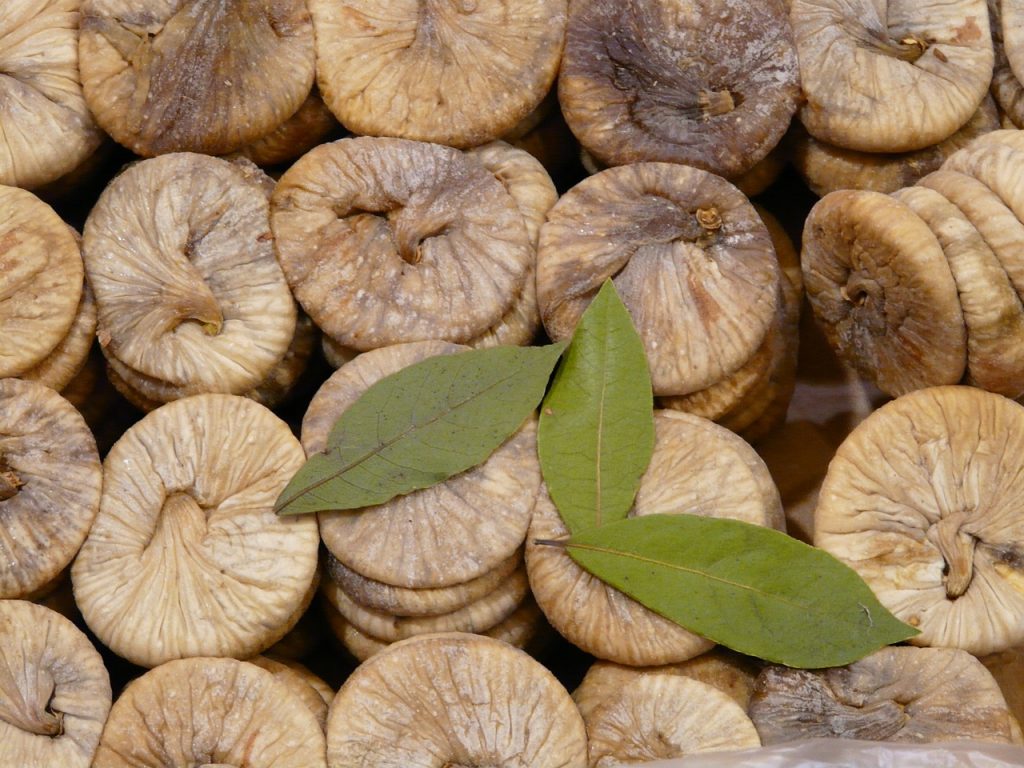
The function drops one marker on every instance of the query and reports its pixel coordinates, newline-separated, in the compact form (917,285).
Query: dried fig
(689,256)
(1007,667)
(386,241)
(41,280)
(456,72)
(826,168)
(661,716)
(387,598)
(891,77)
(454,700)
(921,500)
(46,127)
(896,694)
(190,295)
(727,671)
(335,354)
(992,310)
(724,478)
(194,75)
(54,689)
(210,712)
(440,536)
(50,479)
(707,84)
(478,616)
(186,557)
(1005,88)
(883,292)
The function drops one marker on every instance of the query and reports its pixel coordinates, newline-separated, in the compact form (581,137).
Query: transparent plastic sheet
(848,753)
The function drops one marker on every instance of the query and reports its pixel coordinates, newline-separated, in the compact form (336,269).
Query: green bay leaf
(420,426)
(596,430)
(752,589)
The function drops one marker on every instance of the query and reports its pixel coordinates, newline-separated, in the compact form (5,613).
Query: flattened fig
(915,695)
(54,689)
(440,536)
(46,128)
(387,241)
(208,713)
(188,288)
(295,136)
(435,700)
(881,288)
(701,83)
(922,500)
(456,72)
(50,479)
(689,256)
(41,280)
(186,557)
(891,77)
(207,76)
(58,368)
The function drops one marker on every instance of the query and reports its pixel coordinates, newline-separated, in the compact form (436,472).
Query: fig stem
(714,103)
(957,549)
(709,218)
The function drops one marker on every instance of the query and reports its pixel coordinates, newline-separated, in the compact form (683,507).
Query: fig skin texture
(385,241)
(689,256)
(207,76)
(46,130)
(707,83)
(455,72)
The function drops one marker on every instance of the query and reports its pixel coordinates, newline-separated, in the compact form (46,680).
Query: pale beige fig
(190,295)
(454,700)
(334,353)
(992,310)
(724,478)
(387,241)
(710,85)
(54,690)
(525,628)
(891,77)
(57,369)
(387,598)
(456,72)
(661,716)
(313,691)
(1012,21)
(293,138)
(915,695)
(186,557)
(46,127)
(194,76)
(826,168)
(689,257)
(478,617)
(1006,89)
(41,281)
(921,501)
(526,180)
(440,536)
(882,290)
(50,480)
(729,672)
(210,712)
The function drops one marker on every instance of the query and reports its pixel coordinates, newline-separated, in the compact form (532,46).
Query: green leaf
(597,423)
(753,589)
(420,426)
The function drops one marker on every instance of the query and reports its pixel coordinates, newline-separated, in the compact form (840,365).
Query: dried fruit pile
(287,206)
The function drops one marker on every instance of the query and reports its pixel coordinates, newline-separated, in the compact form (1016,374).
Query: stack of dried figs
(416,382)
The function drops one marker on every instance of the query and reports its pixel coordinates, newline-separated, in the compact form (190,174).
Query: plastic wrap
(848,753)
